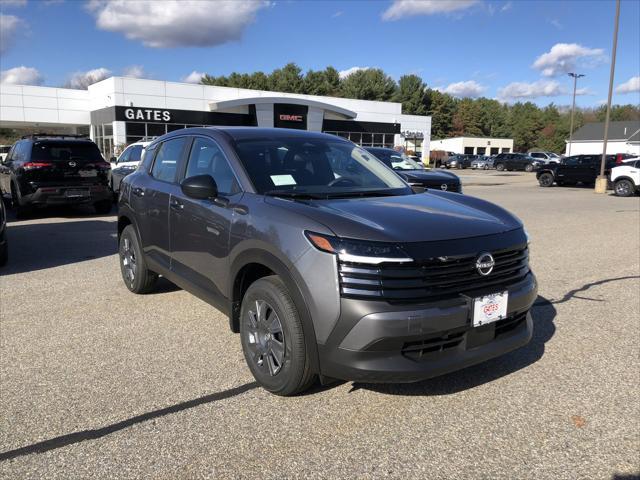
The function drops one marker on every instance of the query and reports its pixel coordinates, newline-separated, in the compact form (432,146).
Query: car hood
(429,176)
(429,216)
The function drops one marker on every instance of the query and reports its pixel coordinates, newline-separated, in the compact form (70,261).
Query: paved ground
(99,383)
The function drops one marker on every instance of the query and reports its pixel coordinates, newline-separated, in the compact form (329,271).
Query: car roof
(241,133)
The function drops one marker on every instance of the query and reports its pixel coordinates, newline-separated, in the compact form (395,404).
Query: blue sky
(465,47)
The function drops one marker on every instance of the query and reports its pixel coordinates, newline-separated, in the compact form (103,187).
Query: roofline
(241,102)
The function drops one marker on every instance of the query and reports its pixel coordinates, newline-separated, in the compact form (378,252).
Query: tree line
(529,125)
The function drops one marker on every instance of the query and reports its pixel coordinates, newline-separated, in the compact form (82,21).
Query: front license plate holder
(490,308)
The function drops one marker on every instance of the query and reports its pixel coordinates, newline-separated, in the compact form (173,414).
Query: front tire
(624,188)
(528,168)
(272,338)
(133,266)
(545,180)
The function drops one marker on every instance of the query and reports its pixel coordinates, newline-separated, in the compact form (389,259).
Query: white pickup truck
(626,178)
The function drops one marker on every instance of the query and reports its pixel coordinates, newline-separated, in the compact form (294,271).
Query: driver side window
(207,158)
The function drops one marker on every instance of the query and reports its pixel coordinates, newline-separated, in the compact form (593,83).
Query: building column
(119,134)
(315,117)
(264,115)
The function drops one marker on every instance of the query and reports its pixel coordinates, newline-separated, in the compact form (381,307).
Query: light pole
(575,76)
(601,181)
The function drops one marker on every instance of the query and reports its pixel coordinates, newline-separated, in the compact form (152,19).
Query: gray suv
(324,259)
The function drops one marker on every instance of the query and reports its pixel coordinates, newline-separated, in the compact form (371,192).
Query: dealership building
(474,145)
(119,110)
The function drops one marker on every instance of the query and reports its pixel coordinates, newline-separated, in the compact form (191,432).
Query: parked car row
(622,171)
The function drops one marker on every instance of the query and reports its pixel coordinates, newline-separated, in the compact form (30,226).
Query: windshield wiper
(293,194)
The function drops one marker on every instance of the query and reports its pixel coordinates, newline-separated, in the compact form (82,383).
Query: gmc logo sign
(291,118)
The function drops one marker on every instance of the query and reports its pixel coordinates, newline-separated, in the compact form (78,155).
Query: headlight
(358,251)
(526,234)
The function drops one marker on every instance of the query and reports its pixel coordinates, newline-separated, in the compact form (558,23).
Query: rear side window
(165,167)
(81,152)
(206,158)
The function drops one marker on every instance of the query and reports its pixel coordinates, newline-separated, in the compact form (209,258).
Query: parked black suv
(44,170)
(325,260)
(414,173)
(515,161)
(574,169)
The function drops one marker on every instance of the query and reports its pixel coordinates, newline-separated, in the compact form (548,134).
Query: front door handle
(138,191)
(176,204)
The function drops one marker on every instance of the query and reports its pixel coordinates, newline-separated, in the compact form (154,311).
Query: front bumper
(379,342)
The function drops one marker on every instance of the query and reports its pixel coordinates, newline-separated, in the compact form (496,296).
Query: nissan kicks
(325,261)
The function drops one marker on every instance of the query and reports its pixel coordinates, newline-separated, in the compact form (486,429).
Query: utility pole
(601,181)
(575,76)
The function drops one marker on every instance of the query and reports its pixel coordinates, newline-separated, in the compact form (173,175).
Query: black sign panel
(165,115)
(286,115)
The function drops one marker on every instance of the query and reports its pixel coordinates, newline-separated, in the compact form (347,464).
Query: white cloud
(21,76)
(523,90)
(349,71)
(506,6)
(134,71)
(470,88)
(12,3)
(564,57)
(9,26)
(630,86)
(193,77)
(409,8)
(81,80)
(176,23)
(339,13)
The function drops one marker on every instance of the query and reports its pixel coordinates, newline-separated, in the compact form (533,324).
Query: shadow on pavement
(36,246)
(82,435)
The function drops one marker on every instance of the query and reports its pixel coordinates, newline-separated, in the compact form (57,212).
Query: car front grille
(432,279)
(426,348)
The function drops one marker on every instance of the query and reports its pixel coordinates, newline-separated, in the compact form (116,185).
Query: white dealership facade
(119,110)
(474,145)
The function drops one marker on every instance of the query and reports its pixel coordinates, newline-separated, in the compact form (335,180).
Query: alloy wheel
(623,189)
(265,338)
(129,260)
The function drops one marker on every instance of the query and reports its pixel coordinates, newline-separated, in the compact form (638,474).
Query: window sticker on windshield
(279,180)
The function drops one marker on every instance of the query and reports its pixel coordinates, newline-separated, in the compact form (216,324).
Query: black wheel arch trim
(294,284)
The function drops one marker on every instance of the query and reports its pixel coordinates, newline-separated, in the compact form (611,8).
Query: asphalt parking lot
(97,382)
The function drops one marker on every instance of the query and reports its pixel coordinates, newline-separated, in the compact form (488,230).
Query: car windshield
(299,166)
(400,161)
(66,151)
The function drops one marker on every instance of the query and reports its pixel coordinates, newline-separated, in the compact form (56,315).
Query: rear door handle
(138,192)
(176,204)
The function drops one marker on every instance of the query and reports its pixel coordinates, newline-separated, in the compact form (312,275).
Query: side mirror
(201,187)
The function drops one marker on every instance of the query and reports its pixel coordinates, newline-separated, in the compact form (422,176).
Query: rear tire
(273,339)
(4,252)
(528,168)
(103,207)
(22,211)
(624,188)
(500,167)
(133,266)
(545,180)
